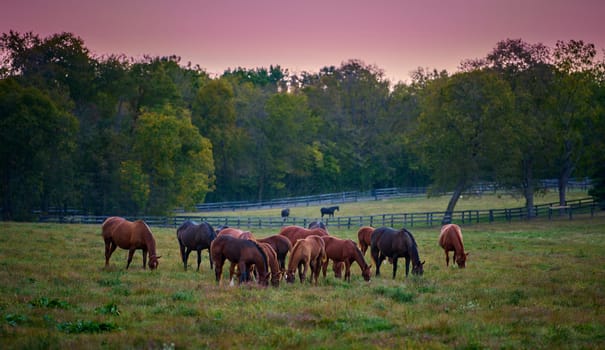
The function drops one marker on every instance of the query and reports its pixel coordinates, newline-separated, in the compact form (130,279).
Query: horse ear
(157,257)
(423,262)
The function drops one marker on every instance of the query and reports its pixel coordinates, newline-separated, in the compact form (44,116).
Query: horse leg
(347,270)
(447,258)
(145,259)
(407,266)
(183,258)
(210,258)
(243,271)
(395,267)
(130,255)
(324,267)
(199,259)
(218,270)
(110,247)
(186,257)
(302,270)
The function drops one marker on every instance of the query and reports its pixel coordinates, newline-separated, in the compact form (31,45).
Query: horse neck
(413,248)
(263,255)
(359,258)
(149,241)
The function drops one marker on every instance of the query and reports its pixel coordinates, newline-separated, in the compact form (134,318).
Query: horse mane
(148,237)
(212,232)
(262,253)
(414,253)
(358,255)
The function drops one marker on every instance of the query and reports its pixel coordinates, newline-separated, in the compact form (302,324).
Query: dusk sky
(306,35)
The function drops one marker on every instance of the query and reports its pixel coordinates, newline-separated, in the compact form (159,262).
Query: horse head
(153,262)
(418,269)
(366,273)
(461,260)
(290,276)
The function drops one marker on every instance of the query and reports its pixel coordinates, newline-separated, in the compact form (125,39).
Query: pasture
(537,284)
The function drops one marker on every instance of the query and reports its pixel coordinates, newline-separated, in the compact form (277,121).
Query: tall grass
(536,284)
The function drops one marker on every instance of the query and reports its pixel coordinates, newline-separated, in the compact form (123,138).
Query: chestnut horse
(364,235)
(294,233)
(235,233)
(193,236)
(450,239)
(282,247)
(345,250)
(276,272)
(308,252)
(119,232)
(242,252)
(388,243)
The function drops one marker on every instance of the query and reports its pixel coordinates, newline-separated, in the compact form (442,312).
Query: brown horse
(276,272)
(308,252)
(119,232)
(345,250)
(388,243)
(242,252)
(364,235)
(235,233)
(450,239)
(193,236)
(294,233)
(282,247)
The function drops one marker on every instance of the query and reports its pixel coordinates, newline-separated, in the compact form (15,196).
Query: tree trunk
(566,171)
(528,187)
(447,218)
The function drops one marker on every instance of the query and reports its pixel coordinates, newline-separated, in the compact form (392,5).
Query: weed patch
(81,326)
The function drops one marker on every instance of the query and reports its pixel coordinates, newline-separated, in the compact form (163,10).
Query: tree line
(118,135)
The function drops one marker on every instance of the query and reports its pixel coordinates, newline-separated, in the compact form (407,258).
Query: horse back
(450,237)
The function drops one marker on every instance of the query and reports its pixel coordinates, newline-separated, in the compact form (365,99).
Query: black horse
(192,236)
(317,224)
(386,242)
(285,213)
(329,211)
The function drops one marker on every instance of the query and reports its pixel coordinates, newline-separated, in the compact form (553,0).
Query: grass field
(537,284)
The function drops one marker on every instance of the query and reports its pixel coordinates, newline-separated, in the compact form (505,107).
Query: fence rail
(422,219)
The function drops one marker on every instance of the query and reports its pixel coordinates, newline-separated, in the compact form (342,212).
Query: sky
(396,36)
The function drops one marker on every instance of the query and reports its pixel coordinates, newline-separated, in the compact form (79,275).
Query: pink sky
(306,35)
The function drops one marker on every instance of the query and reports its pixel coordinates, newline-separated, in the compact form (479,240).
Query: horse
(364,235)
(276,271)
(282,247)
(235,233)
(192,236)
(119,232)
(308,252)
(242,252)
(317,224)
(345,250)
(329,211)
(387,242)
(294,233)
(285,213)
(450,239)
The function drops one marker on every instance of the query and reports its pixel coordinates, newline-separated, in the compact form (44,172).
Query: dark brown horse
(193,236)
(388,243)
(317,224)
(345,250)
(306,253)
(294,233)
(282,247)
(119,232)
(276,272)
(364,236)
(243,252)
(329,211)
(450,239)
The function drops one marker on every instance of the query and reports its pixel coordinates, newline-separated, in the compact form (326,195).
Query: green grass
(536,284)
(404,205)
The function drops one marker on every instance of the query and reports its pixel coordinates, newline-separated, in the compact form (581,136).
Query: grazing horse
(294,233)
(235,233)
(329,211)
(386,242)
(276,272)
(119,232)
(345,250)
(317,224)
(242,252)
(285,213)
(364,235)
(192,236)
(308,252)
(282,247)
(450,239)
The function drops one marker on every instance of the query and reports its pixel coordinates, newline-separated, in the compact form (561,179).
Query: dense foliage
(116,135)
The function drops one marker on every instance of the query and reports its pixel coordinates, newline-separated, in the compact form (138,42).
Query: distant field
(536,284)
(404,205)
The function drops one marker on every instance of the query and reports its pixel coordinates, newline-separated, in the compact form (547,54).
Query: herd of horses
(264,259)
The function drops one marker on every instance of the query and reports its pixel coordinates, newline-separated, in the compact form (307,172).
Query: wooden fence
(423,219)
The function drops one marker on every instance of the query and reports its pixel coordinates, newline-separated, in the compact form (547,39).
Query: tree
(464,131)
(172,157)
(37,142)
